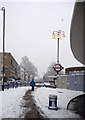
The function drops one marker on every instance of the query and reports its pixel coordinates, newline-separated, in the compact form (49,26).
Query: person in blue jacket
(32,83)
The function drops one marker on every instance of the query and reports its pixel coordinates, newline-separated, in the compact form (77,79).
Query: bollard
(13,84)
(53,102)
(20,84)
(7,85)
(16,84)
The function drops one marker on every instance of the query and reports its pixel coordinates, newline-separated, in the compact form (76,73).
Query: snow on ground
(0,104)
(41,96)
(11,100)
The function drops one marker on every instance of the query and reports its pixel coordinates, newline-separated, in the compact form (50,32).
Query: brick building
(12,70)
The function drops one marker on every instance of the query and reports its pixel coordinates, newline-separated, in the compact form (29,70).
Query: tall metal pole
(59,34)
(3,9)
(58,50)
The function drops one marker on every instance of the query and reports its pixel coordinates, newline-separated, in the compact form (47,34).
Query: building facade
(11,67)
(76,78)
(77,32)
(73,79)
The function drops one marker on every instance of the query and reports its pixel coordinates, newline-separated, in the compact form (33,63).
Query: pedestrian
(7,85)
(32,84)
(15,84)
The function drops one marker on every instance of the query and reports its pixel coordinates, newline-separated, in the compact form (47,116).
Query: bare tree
(27,69)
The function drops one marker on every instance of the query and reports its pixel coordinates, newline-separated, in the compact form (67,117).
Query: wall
(62,82)
(76,81)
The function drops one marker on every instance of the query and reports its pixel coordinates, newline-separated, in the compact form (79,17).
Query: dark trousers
(32,88)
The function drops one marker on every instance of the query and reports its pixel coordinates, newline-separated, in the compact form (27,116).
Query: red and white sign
(58,67)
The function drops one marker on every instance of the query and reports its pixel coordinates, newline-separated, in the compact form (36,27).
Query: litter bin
(52,102)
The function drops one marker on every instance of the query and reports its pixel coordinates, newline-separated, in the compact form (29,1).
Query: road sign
(58,67)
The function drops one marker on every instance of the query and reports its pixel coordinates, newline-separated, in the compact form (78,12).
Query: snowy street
(41,96)
(12,102)
(42,59)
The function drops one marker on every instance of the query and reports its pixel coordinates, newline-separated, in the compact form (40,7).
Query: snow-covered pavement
(0,104)
(41,96)
(11,102)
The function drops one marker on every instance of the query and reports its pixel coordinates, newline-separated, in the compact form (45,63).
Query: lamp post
(3,9)
(59,35)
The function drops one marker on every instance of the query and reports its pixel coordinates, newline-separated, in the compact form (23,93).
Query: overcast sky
(29,28)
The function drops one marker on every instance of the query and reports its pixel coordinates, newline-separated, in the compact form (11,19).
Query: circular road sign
(58,67)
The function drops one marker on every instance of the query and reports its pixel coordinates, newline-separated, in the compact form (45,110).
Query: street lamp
(3,9)
(59,34)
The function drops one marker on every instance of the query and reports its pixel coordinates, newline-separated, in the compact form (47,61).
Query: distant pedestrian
(16,84)
(32,84)
(7,85)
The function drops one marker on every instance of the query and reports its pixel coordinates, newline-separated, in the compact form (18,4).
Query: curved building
(77,32)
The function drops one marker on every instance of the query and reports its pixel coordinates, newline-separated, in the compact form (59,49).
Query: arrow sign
(58,67)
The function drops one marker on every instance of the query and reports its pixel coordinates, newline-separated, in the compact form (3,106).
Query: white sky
(29,28)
